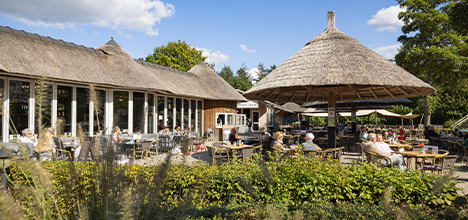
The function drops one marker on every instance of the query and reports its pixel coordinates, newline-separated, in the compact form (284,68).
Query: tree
(227,74)
(431,48)
(243,79)
(262,71)
(178,55)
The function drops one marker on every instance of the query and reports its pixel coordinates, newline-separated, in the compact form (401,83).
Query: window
(150,113)
(139,115)
(178,116)
(186,115)
(64,109)
(43,98)
(19,106)
(200,117)
(82,109)
(121,109)
(160,110)
(193,108)
(99,113)
(224,119)
(170,112)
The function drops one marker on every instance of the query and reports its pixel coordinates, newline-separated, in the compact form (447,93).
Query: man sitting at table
(363,135)
(233,136)
(371,147)
(309,145)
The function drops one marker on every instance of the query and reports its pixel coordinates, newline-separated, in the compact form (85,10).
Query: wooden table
(398,146)
(415,155)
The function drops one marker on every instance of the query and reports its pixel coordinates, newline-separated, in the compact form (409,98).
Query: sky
(231,33)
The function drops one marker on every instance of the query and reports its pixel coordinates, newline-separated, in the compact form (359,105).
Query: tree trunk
(427,114)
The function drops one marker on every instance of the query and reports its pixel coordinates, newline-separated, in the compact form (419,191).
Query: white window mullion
(91,118)
(196,117)
(53,114)
(182,104)
(155,118)
(165,111)
(203,116)
(6,110)
(190,114)
(174,113)
(109,111)
(32,102)
(73,118)
(146,111)
(130,112)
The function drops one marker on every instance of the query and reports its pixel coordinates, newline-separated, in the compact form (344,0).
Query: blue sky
(229,32)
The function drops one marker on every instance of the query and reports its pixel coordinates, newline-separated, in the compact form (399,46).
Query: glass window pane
(161,112)
(82,108)
(229,119)
(200,120)
(138,112)
(150,113)
(99,115)
(170,112)
(193,107)
(186,114)
(64,109)
(220,120)
(121,110)
(19,106)
(43,106)
(178,116)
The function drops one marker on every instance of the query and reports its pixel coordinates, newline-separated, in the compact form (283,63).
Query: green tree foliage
(178,55)
(263,71)
(432,49)
(227,74)
(242,80)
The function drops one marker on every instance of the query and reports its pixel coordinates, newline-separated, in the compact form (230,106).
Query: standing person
(46,146)
(401,133)
(249,124)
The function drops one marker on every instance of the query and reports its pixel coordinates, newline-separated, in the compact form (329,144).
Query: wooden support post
(332,120)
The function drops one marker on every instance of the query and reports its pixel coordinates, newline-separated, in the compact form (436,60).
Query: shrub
(98,189)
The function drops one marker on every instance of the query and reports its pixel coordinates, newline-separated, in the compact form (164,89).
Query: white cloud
(139,15)
(215,57)
(253,72)
(387,19)
(244,48)
(388,52)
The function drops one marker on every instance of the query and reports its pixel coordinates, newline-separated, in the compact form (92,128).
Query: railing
(460,122)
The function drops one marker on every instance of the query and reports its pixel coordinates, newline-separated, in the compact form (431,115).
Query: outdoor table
(414,155)
(399,146)
(232,148)
(4,155)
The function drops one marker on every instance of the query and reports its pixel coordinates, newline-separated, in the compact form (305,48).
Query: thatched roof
(109,66)
(335,62)
(291,106)
(359,103)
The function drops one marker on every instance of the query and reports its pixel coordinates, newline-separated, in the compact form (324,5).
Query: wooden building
(135,95)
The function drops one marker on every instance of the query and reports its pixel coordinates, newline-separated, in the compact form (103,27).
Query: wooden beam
(373,93)
(403,91)
(308,95)
(388,91)
(292,98)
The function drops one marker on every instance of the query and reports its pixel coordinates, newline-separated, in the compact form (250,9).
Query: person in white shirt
(382,145)
(28,137)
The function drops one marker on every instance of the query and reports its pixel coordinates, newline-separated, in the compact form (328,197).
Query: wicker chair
(217,154)
(379,160)
(143,150)
(445,165)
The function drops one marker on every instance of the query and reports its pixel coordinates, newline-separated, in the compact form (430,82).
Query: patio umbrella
(355,104)
(336,67)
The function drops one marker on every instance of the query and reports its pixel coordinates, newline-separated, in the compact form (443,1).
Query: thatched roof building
(293,107)
(334,62)
(358,103)
(31,56)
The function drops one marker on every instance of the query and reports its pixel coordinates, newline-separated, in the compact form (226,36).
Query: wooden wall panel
(211,107)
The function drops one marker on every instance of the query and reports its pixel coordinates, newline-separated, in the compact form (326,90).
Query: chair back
(418,148)
(146,145)
(210,150)
(448,162)
(247,152)
(165,143)
(84,149)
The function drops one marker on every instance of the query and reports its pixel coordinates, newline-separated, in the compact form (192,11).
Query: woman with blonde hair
(46,146)
(278,144)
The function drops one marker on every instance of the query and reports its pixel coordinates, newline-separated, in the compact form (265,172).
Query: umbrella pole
(353,118)
(331,120)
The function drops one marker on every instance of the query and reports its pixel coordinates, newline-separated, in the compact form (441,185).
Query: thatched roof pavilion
(336,67)
(31,56)
(294,107)
(335,62)
(358,103)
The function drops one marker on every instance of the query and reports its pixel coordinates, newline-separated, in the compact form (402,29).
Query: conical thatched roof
(336,62)
(360,103)
(31,56)
(291,106)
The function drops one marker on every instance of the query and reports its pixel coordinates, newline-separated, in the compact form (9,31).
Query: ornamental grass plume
(94,98)
(42,98)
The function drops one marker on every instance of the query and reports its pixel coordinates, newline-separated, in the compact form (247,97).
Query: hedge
(107,189)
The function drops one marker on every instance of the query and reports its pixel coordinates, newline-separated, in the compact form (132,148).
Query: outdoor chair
(217,154)
(445,165)
(332,153)
(82,156)
(142,150)
(165,143)
(465,155)
(383,161)
(154,147)
(309,153)
(247,153)
(360,150)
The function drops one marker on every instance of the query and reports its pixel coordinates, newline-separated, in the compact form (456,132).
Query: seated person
(309,145)
(266,134)
(164,130)
(117,135)
(401,133)
(382,145)
(430,133)
(27,137)
(57,141)
(278,144)
(371,147)
(177,131)
(233,136)
(46,146)
(363,135)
